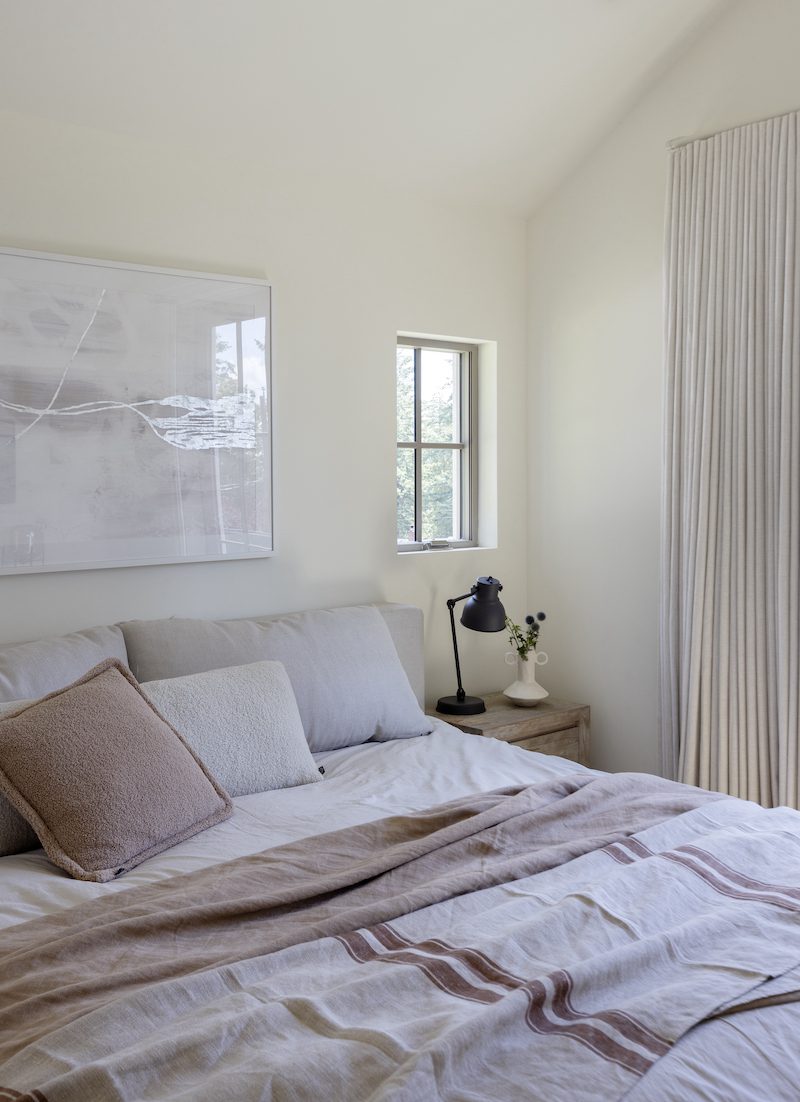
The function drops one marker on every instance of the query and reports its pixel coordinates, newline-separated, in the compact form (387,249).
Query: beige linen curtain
(730,618)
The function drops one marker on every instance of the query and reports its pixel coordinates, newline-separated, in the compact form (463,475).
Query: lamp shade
(484,610)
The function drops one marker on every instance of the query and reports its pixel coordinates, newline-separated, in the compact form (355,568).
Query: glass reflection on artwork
(134,415)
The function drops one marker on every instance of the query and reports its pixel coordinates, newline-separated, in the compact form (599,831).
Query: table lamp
(482,612)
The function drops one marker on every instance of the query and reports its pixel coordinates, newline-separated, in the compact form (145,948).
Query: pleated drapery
(730,618)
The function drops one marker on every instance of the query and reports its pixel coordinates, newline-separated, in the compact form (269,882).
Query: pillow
(15,834)
(243,722)
(103,780)
(33,669)
(349,683)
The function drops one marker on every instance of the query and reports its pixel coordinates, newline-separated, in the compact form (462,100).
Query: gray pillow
(33,669)
(103,780)
(243,723)
(348,680)
(15,834)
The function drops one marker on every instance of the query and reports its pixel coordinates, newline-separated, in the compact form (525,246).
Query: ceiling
(485,102)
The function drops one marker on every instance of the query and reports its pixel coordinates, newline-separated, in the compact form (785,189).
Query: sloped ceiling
(483,102)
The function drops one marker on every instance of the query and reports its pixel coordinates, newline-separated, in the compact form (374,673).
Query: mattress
(749,1055)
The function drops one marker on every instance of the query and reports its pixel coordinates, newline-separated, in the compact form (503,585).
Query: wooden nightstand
(551,727)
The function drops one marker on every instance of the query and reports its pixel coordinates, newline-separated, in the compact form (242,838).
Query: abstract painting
(135,415)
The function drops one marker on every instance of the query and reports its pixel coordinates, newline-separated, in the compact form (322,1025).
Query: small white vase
(526,690)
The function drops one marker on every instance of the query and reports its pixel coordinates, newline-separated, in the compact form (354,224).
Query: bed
(441,916)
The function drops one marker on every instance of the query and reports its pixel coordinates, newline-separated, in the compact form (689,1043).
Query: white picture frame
(135,415)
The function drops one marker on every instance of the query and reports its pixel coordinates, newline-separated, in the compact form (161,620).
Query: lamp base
(452,706)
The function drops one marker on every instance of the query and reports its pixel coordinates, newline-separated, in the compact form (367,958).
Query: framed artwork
(135,415)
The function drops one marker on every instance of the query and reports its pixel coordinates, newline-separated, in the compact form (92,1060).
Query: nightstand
(551,727)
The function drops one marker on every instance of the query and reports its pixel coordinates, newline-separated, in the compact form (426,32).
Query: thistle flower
(525,641)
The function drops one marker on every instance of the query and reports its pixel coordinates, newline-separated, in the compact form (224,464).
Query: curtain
(730,613)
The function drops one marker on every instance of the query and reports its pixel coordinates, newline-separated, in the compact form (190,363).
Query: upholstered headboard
(406,626)
(33,669)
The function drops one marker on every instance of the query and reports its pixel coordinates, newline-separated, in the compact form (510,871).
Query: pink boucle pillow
(102,778)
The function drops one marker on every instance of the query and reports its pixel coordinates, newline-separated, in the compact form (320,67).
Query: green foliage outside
(439,465)
(243,504)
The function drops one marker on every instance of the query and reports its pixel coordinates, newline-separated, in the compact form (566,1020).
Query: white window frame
(466,445)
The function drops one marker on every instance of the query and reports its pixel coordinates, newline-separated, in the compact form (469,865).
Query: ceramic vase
(526,690)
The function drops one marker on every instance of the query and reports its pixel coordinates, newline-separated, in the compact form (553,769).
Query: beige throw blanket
(549,943)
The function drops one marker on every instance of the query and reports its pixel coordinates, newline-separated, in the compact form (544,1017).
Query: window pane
(405,495)
(441,512)
(405,393)
(439,395)
(226,365)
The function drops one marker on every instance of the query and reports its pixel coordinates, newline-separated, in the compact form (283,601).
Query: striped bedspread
(545,943)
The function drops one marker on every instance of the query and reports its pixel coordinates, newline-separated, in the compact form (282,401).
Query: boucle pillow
(348,680)
(243,722)
(15,834)
(102,778)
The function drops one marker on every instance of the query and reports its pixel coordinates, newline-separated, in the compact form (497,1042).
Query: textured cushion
(348,680)
(15,834)
(103,780)
(244,724)
(33,669)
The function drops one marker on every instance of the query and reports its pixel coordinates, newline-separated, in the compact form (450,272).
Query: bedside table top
(500,715)
(550,727)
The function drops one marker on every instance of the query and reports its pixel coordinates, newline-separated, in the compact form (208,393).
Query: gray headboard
(33,669)
(405,624)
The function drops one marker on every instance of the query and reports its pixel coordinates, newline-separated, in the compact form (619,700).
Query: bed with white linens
(439,915)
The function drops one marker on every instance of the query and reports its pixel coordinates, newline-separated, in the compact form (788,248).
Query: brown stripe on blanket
(492,972)
(627,850)
(439,972)
(486,969)
(706,873)
(474,959)
(637,848)
(714,872)
(624,1023)
(739,877)
(616,851)
(542,1003)
(580,1029)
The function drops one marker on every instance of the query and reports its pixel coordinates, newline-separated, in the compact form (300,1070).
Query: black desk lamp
(482,612)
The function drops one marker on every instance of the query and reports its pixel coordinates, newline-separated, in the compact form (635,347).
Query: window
(436,454)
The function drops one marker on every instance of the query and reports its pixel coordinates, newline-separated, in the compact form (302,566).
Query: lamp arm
(451,604)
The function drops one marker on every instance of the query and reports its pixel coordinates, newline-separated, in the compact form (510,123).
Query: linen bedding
(559,938)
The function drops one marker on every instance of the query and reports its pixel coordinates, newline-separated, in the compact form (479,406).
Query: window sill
(425,549)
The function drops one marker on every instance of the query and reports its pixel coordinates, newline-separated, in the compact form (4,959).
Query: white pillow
(242,722)
(15,834)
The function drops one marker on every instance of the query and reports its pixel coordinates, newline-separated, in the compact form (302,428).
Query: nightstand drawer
(566,744)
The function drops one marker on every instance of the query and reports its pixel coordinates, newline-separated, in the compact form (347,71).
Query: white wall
(595,264)
(348,270)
